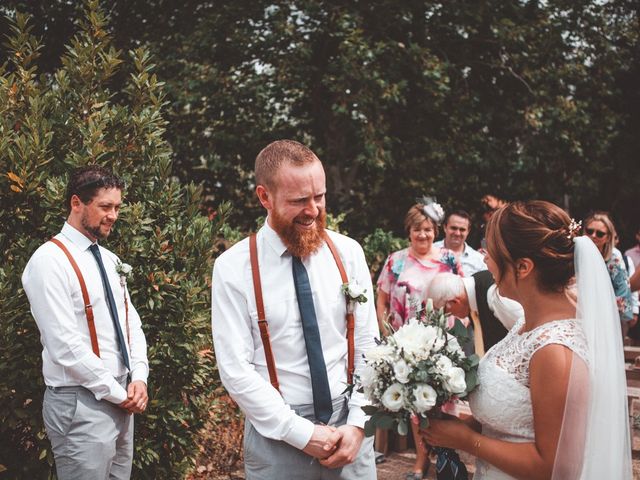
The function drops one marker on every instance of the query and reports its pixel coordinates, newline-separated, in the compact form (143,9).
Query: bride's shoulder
(568,333)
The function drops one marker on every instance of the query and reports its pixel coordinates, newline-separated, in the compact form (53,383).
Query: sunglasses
(598,233)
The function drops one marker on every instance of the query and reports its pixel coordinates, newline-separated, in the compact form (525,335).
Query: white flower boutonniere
(354,293)
(124,270)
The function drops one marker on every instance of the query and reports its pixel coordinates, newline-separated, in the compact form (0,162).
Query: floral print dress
(620,282)
(406,280)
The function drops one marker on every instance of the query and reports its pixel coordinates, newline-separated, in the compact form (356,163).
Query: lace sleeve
(564,332)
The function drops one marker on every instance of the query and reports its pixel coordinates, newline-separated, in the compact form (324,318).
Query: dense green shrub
(377,246)
(48,125)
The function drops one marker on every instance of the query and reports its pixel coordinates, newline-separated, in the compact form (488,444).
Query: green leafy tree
(101,106)
(523,99)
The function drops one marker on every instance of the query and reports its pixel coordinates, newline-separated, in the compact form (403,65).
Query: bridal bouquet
(415,372)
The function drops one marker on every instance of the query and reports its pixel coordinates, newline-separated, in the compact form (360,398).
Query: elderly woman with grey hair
(476,297)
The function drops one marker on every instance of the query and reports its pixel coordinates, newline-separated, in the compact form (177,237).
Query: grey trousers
(267,459)
(91,439)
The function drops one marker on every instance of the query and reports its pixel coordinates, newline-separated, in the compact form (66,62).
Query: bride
(552,396)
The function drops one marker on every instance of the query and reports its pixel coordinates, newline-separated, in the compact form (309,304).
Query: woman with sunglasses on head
(551,401)
(600,229)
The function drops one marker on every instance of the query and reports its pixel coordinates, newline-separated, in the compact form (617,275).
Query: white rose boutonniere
(354,293)
(124,270)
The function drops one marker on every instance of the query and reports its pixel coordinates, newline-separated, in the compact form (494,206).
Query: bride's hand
(452,433)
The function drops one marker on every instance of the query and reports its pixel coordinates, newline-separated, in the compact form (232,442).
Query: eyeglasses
(598,233)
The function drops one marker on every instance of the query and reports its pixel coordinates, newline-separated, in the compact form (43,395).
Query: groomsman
(456,226)
(283,337)
(94,357)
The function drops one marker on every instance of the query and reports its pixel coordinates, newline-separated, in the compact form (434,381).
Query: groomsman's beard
(94,229)
(300,243)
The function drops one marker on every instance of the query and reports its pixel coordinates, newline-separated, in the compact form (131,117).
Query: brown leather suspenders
(88,309)
(262,322)
(264,326)
(349,314)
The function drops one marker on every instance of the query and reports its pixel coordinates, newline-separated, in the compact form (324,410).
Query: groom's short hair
(277,153)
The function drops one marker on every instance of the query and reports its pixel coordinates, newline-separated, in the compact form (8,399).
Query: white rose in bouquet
(443,365)
(416,339)
(425,396)
(384,352)
(368,377)
(401,371)
(454,380)
(453,346)
(393,397)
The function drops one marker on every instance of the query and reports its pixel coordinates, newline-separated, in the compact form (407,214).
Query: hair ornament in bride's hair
(431,208)
(574,228)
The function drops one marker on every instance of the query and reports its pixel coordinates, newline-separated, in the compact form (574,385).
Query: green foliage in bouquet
(50,124)
(415,371)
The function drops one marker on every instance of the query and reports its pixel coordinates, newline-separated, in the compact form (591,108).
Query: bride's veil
(595,440)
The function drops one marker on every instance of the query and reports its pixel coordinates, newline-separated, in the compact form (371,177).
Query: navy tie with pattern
(322,406)
(111,303)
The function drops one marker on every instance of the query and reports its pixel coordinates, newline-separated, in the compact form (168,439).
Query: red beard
(300,243)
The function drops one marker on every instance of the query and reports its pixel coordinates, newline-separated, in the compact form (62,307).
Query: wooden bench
(632,372)
(631,353)
(633,393)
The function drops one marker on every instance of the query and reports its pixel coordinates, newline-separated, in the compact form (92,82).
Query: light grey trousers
(91,439)
(267,459)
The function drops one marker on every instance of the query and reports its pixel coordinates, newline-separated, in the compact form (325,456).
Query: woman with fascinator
(403,286)
(551,403)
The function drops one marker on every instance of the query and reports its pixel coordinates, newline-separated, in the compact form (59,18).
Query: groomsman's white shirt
(238,346)
(472,261)
(56,302)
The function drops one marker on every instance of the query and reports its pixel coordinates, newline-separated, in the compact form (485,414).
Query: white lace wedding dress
(502,401)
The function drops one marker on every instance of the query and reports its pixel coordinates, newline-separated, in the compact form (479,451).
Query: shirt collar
(470,287)
(76,237)
(465,250)
(273,239)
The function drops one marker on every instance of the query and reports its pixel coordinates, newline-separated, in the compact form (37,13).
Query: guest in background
(489,204)
(600,229)
(476,297)
(634,252)
(404,283)
(629,266)
(457,225)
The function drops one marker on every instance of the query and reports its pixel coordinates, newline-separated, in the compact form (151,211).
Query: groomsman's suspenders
(264,326)
(88,309)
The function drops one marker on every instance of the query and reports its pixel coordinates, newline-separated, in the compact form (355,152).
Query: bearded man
(280,329)
(94,356)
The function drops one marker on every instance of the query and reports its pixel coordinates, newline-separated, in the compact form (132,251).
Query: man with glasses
(94,356)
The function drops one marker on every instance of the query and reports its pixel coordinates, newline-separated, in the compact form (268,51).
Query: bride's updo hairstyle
(538,230)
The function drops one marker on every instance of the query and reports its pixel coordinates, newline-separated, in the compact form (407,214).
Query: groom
(280,331)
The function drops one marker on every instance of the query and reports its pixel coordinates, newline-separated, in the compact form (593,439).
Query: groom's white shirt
(58,308)
(238,346)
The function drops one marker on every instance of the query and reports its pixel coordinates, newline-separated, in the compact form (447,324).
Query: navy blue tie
(322,406)
(111,303)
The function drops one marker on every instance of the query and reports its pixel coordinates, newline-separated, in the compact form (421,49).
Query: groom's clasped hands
(335,447)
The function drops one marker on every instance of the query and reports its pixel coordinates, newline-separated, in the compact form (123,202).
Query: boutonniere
(354,293)
(124,270)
